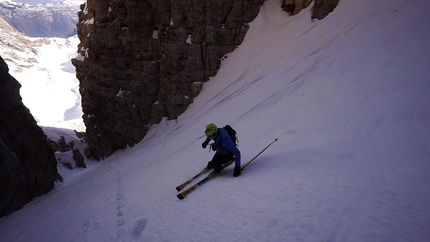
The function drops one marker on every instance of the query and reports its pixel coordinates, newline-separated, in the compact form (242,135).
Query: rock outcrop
(320,9)
(295,6)
(141,60)
(323,7)
(28,167)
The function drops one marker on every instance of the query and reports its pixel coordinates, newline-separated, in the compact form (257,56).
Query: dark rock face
(320,9)
(323,7)
(28,167)
(79,159)
(141,60)
(295,6)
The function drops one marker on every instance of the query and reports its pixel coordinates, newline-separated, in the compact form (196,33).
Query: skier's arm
(205,144)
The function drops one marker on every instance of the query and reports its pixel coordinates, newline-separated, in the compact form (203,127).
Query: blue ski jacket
(226,146)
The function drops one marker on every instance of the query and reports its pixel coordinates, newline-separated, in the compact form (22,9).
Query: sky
(348,98)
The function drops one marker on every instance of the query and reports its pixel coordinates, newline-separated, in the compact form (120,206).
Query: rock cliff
(320,9)
(141,60)
(28,167)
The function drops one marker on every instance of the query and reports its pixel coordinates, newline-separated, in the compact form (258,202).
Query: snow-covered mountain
(54,19)
(349,99)
(43,67)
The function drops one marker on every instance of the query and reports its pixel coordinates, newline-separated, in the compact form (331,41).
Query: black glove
(236,171)
(205,144)
(213,146)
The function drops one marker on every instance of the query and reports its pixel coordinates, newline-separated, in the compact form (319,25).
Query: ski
(180,187)
(185,193)
(211,175)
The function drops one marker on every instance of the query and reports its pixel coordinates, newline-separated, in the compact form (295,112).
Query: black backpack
(232,133)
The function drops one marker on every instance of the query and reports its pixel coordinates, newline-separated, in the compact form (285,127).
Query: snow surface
(57,101)
(347,96)
(49,88)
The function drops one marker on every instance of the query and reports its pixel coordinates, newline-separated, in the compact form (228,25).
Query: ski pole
(258,154)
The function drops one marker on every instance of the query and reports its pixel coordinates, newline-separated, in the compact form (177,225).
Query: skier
(225,148)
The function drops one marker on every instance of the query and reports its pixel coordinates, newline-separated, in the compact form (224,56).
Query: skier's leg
(219,160)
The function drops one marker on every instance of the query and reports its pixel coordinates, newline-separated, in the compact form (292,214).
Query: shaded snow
(349,99)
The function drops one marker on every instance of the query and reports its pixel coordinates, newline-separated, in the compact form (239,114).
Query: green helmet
(211,129)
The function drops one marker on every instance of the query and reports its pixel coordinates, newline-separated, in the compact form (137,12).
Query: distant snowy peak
(56,19)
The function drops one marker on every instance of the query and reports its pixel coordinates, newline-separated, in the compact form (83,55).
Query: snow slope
(349,99)
(43,67)
(50,89)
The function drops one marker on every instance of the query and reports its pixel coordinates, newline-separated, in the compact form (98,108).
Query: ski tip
(180,196)
(178,189)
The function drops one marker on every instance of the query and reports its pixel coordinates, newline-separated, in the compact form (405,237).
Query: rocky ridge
(142,60)
(28,167)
